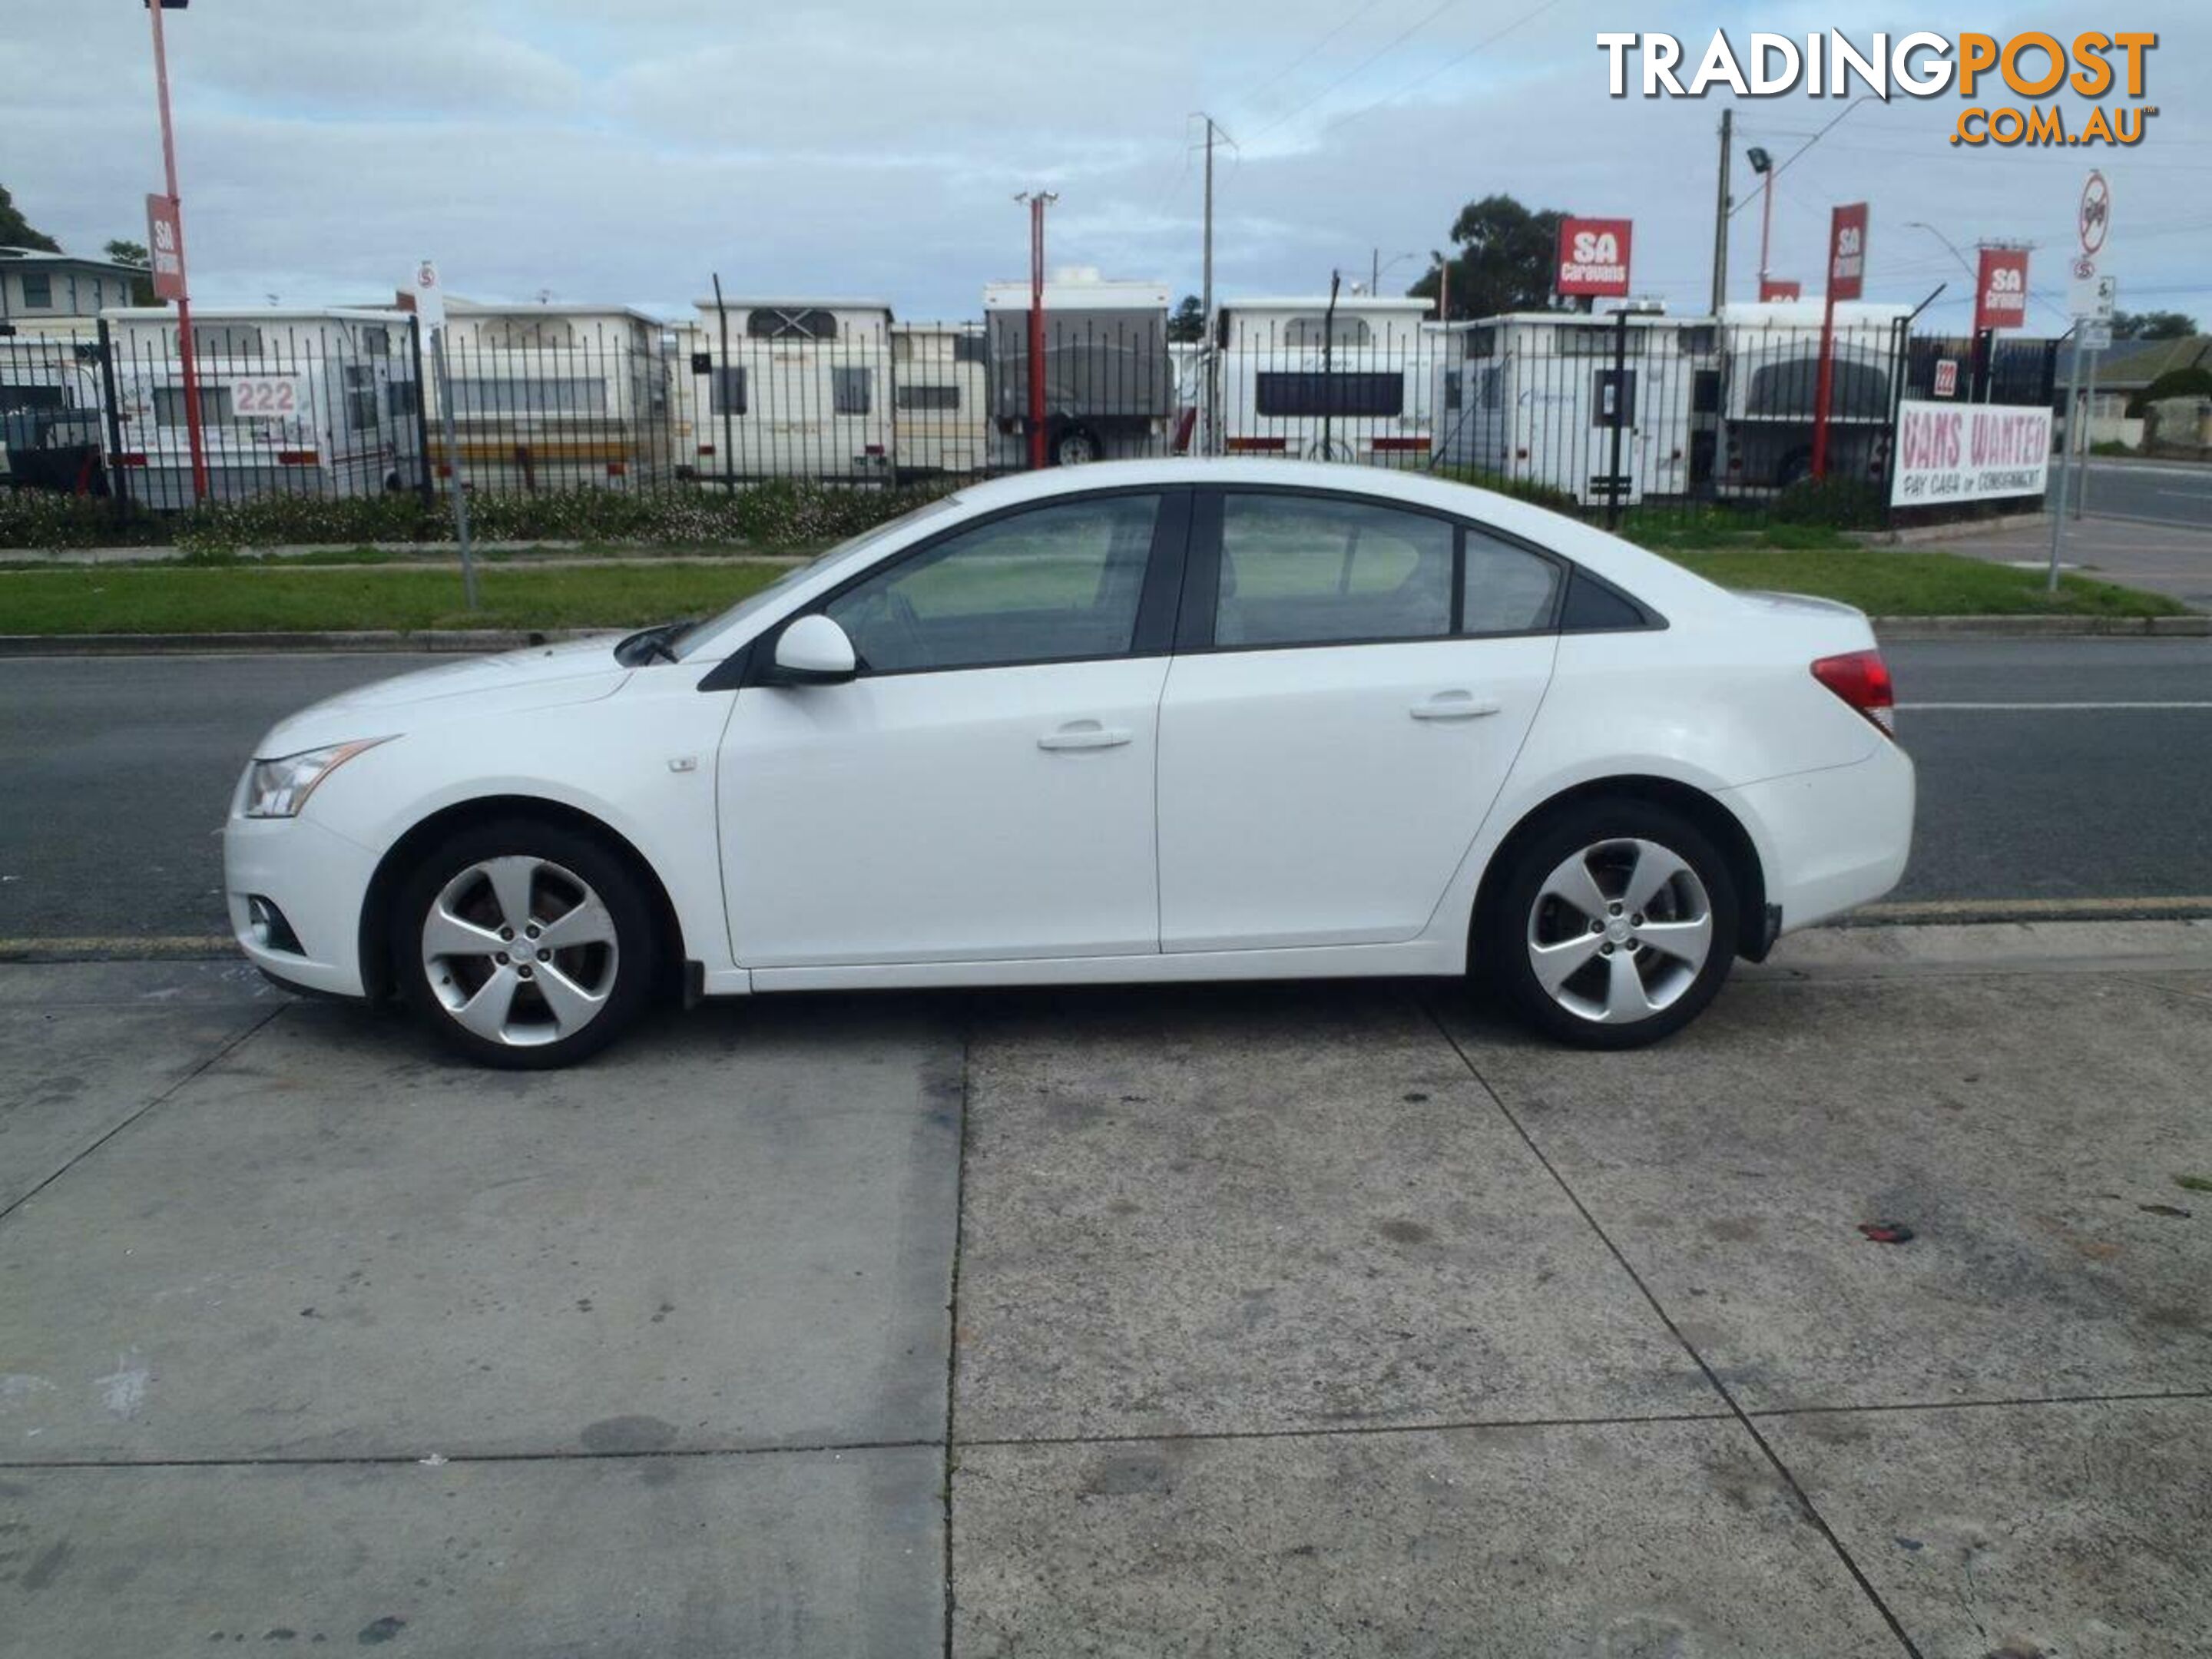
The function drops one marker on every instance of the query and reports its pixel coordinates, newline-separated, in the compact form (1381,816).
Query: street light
(1379,268)
(1964,264)
(1763,165)
(168,226)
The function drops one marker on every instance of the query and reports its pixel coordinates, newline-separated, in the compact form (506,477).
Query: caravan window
(1316,330)
(1452,392)
(169,405)
(526,333)
(13,397)
(1482,342)
(236,339)
(969,349)
(927,396)
(1491,384)
(852,391)
(361,397)
(727,392)
(399,400)
(1294,395)
(769,324)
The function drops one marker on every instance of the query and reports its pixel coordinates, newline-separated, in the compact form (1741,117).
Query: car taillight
(1860,679)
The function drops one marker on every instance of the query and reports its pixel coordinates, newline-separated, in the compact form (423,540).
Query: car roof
(1656,581)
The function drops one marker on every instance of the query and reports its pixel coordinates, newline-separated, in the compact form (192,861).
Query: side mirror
(815,651)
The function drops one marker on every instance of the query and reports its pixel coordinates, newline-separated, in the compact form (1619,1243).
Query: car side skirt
(1415,959)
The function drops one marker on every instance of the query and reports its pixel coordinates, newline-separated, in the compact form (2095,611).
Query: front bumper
(1832,839)
(317,879)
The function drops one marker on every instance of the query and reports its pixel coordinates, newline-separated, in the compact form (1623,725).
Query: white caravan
(940,390)
(801,391)
(1769,369)
(1109,390)
(555,397)
(292,402)
(1530,396)
(1300,379)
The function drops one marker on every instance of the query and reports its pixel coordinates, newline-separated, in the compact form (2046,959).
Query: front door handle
(1085,734)
(1453,706)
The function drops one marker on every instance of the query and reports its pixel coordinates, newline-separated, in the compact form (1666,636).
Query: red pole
(1036,330)
(185,351)
(1825,385)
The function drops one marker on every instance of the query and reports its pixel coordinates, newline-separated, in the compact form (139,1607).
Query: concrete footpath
(1334,1319)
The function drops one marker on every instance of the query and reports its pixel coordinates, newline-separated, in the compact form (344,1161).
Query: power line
(1448,63)
(1389,46)
(1305,56)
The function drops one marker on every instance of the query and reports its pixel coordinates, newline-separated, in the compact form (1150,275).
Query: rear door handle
(1453,706)
(1085,734)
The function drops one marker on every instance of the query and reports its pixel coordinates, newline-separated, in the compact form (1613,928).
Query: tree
(1188,322)
(1502,259)
(15,230)
(133,255)
(2152,325)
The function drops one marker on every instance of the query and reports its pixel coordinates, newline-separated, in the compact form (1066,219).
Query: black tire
(625,977)
(1075,446)
(1502,952)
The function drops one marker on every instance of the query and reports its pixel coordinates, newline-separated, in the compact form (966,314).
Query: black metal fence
(1592,414)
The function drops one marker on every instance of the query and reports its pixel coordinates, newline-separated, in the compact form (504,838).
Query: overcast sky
(623,152)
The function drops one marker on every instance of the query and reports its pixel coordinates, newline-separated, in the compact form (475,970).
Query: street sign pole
(454,469)
(2065,457)
(430,313)
(2088,438)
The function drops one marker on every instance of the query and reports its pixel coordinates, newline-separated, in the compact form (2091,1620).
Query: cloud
(625,153)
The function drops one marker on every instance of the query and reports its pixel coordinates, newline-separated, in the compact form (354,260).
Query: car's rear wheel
(1614,925)
(524,945)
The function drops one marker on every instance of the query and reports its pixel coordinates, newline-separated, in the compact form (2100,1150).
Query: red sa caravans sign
(1847,230)
(1593,256)
(2001,289)
(165,246)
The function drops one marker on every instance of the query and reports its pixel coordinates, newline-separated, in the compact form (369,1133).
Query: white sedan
(1151,720)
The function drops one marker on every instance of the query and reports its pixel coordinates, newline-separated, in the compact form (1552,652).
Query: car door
(1352,681)
(983,789)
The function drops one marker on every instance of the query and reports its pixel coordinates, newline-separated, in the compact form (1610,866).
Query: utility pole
(1037,200)
(1208,444)
(187,357)
(1721,214)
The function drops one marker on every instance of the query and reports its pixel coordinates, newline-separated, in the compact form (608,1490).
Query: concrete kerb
(1923,535)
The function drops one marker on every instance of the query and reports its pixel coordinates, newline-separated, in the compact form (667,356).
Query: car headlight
(279,788)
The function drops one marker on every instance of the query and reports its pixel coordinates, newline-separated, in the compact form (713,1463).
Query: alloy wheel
(519,951)
(1619,931)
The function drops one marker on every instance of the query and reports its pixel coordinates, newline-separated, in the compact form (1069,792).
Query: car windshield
(844,553)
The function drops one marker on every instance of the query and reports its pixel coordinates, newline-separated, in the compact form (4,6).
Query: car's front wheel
(1614,925)
(524,945)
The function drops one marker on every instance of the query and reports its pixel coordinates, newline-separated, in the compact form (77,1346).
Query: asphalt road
(118,771)
(2173,493)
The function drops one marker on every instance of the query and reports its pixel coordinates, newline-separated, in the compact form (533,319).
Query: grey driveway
(1332,1320)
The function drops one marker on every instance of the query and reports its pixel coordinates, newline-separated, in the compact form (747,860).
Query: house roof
(36,256)
(2131,364)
